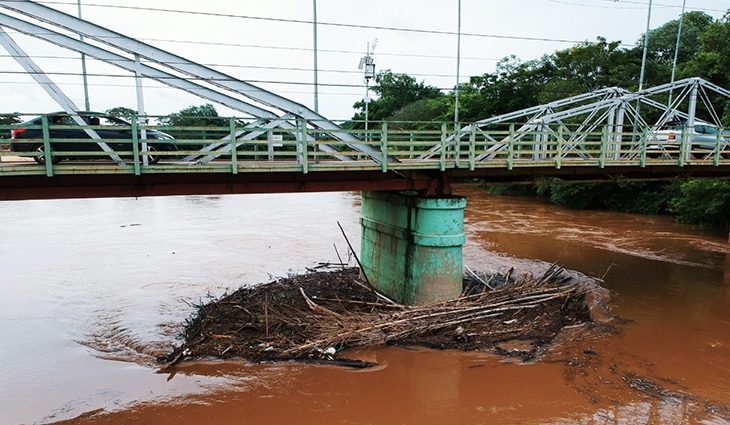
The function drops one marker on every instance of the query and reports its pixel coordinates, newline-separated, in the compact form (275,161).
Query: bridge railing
(56,144)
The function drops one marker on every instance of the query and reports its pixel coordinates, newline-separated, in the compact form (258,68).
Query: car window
(100,120)
(112,121)
(61,120)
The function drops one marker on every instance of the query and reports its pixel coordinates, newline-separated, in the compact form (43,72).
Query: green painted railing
(46,146)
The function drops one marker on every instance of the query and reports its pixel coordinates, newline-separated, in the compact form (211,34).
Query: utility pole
(676,49)
(368,65)
(646,48)
(316,85)
(458,67)
(643,69)
(83,67)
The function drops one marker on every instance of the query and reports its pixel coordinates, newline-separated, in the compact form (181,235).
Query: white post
(619,129)
(87,105)
(142,116)
(316,84)
(367,91)
(643,67)
(691,112)
(458,67)
(646,48)
(676,50)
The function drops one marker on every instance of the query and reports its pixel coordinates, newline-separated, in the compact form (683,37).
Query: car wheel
(151,157)
(41,159)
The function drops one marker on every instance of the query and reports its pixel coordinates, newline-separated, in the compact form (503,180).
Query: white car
(704,139)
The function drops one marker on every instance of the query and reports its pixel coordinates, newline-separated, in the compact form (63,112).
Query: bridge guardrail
(235,145)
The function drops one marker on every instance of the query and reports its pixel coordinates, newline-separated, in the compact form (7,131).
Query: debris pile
(315,316)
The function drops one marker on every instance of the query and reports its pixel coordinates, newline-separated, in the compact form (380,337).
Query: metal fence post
(559,148)
(135,145)
(234,147)
(303,146)
(602,150)
(412,145)
(384,146)
(47,146)
(716,157)
(472,146)
(511,147)
(457,136)
(682,148)
(644,141)
(443,146)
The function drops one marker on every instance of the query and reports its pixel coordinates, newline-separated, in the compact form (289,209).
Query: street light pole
(83,67)
(646,48)
(643,70)
(676,49)
(368,65)
(316,85)
(458,67)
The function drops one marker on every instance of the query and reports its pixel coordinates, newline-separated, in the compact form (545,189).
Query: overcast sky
(248,49)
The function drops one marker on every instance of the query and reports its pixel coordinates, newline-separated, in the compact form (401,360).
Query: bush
(705,202)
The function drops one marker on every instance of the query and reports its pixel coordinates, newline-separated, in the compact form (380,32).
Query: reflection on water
(94,290)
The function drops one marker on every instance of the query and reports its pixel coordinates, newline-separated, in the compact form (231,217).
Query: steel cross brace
(53,90)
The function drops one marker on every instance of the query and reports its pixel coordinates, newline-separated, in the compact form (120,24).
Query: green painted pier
(411,246)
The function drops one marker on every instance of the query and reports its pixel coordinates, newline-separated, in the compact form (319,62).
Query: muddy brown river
(94,290)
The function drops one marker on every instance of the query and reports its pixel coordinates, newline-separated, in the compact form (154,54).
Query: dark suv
(115,132)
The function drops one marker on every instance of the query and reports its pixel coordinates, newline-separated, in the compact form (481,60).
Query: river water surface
(94,290)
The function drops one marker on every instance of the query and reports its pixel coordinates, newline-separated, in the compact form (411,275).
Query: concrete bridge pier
(411,245)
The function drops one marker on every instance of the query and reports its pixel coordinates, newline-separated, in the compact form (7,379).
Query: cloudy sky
(278,56)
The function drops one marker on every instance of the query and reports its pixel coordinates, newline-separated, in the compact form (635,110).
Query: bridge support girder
(411,245)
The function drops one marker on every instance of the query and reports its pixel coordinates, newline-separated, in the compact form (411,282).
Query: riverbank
(703,202)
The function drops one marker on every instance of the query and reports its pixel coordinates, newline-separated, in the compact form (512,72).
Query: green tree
(395,91)
(195,116)
(591,66)
(663,40)
(422,110)
(712,59)
(705,202)
(10,119)
(121,112)
(512,86)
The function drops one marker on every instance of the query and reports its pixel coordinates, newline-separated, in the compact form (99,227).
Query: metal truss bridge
(276,144)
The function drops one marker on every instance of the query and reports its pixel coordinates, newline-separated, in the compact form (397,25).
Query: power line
(673,6)
(353,52)
(160,87)
(107,75)
(572,3)
(76,74)
(321,23)
(297,49)
(558,92)
(274,68)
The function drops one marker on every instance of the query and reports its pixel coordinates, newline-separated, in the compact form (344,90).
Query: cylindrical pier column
(411,246)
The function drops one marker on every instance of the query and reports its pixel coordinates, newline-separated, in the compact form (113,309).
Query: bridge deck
(293,162)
